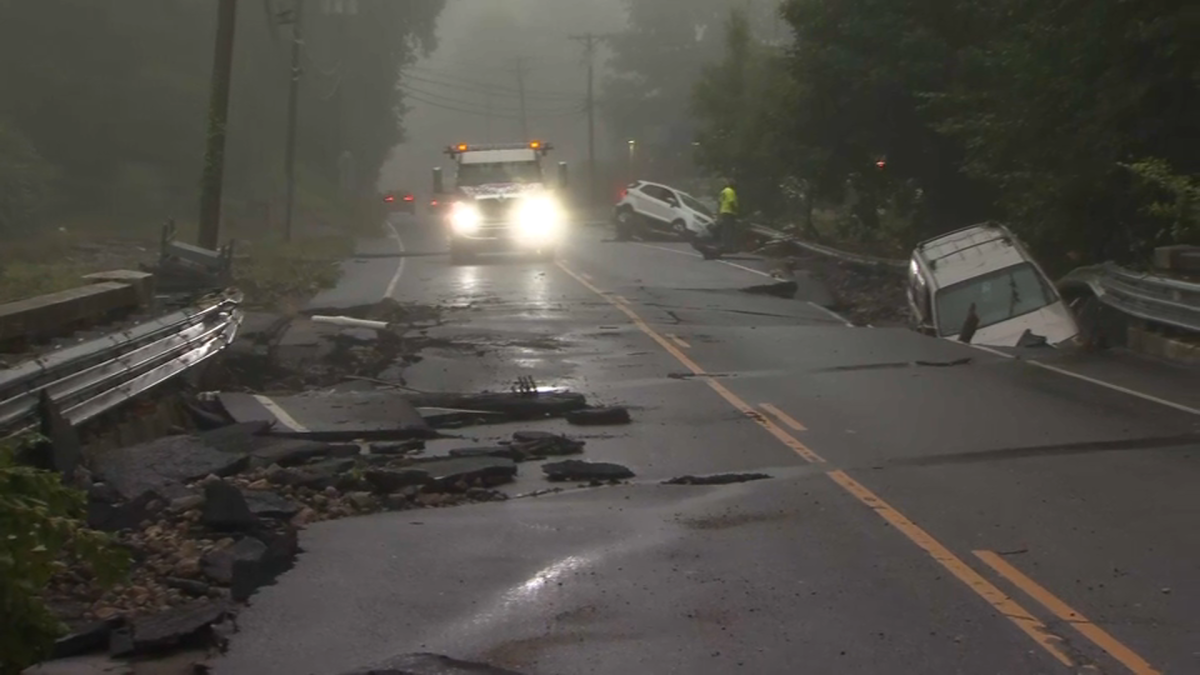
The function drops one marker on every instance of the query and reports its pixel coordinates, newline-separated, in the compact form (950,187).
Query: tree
(655,63)
(43,532)
(113,96)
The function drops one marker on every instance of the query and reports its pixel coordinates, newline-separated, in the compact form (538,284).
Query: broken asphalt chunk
(287,452)
(387,481)
(717,479)
(783,289)
(266,504)
(218,564)
(182,626)
(535,444)
(225,508)
(430,664)
(599,416)
(163,465)
(507,451)
(86,639)
(579,470)
(462,472)
(514,406)
(341,416)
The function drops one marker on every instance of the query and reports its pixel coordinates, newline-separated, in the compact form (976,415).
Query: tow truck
(501,200)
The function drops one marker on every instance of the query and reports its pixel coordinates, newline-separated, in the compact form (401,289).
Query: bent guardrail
(845,256)
(1154,298)
(95,376)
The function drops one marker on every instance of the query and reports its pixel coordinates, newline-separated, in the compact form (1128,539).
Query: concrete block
(59,313)
(143,282)
(1183,258)
(1185,350)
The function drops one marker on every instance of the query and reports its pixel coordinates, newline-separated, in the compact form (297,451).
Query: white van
(987,266)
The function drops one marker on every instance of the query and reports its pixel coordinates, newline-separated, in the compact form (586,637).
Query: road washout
(213,512)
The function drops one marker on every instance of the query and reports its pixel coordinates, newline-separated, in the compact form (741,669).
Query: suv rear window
(998,296)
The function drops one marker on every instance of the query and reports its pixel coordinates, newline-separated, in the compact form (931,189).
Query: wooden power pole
(589,41)
(213,177)
(521,93)
(297,18)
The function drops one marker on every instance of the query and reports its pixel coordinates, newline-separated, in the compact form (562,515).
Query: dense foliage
(1074,121)
(105,103)
(654,63)
(43,532)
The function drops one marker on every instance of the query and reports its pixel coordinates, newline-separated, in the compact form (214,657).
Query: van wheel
(680,228)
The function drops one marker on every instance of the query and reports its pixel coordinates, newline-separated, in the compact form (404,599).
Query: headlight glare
(465,218)
(539,216)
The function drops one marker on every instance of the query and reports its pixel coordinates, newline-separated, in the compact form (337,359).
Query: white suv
(648,208)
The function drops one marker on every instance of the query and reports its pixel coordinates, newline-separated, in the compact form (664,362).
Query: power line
(456,81)
(483,113)
(457,101)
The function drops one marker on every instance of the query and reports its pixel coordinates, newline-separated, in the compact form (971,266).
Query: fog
(474,70)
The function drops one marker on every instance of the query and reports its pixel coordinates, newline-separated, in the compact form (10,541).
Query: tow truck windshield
(471,175)
(999,296)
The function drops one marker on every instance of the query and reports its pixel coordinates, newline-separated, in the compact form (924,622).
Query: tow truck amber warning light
(462,147)
(535,144)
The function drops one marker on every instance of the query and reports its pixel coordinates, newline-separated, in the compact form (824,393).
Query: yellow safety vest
(729,201)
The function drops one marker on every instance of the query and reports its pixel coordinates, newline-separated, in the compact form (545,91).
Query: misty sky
(474,67)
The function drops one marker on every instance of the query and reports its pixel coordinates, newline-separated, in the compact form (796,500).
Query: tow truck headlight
(539,218)
(465,218)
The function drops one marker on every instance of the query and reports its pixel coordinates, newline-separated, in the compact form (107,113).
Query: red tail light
(389,198)
(408,198)
(433,202)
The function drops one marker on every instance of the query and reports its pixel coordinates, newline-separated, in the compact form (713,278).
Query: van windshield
(998,296)
(472,175)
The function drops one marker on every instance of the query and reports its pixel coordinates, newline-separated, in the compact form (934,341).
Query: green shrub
(41,534)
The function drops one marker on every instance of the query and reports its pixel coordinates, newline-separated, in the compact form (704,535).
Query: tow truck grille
(495,209)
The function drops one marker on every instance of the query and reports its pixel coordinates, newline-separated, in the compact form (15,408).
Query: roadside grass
(272,274)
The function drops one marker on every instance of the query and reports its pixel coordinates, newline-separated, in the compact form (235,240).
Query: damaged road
(806,514)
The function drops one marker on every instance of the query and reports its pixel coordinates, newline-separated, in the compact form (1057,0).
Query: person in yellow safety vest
(727,214)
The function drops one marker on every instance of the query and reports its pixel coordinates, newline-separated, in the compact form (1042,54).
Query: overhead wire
(462,82)
(486,113)
(456,101)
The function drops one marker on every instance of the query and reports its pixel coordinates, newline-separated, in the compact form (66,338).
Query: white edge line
(280,414)
(1116,387)
(1091,380)
(391,287)
(833,314)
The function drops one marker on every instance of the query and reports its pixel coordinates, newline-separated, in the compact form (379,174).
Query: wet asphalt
(1003,515)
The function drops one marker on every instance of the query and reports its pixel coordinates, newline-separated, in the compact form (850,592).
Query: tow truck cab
(501,200)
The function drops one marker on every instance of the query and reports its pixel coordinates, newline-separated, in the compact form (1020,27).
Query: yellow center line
(679,341)
(733,399)
(783,417)
(1007,607)
(1100,637)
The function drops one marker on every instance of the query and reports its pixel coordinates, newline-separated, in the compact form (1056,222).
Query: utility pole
(521,90)
(296,19)
(589,41)
(218,113)
(488,135)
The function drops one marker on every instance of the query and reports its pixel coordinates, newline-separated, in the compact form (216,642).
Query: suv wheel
(625,224)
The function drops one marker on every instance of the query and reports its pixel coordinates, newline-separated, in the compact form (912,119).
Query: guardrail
(853,258)
(1154,298)
(93,377)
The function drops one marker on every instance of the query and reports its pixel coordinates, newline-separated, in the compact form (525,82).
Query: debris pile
(864,294)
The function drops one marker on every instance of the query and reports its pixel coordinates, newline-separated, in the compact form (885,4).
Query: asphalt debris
(716,479)
(782,289)
(599,416)
(580,470)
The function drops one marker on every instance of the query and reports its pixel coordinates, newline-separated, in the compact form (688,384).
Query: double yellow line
(1006,606)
